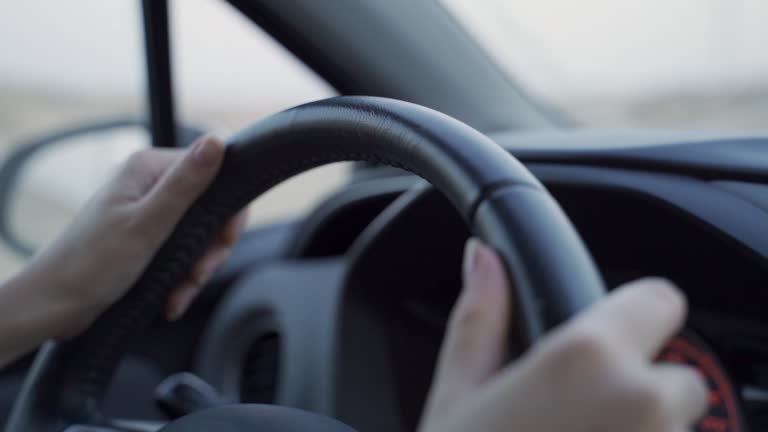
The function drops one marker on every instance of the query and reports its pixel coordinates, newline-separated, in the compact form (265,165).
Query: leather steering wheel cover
(69,379)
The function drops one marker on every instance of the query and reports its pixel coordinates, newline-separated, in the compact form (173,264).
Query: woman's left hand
(111,241)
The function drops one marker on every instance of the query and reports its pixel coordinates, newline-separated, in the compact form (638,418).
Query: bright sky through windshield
(596,59)
(650,63)
(621,46)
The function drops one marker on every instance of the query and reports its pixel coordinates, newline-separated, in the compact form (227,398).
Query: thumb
(476,339)
(182,184)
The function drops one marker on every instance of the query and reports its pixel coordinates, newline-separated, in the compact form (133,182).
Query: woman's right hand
(593,374)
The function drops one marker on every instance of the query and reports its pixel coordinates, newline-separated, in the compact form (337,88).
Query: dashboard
(630,234)
(382,259)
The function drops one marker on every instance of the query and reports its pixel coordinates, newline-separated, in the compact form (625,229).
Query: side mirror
(45,180)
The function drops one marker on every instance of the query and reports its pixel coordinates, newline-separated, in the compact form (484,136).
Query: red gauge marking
(723,415)
(713,424)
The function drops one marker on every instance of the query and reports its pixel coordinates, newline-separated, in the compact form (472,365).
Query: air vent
(261,367)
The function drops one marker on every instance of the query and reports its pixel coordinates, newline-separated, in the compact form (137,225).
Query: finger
(475,342)
(219,251)
(180,299)
(637,318)
(232,230)
(684,393)
(182,184)
(142,170)
(208,264)
(183,295)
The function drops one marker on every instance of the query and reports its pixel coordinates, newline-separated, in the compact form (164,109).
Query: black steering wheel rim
(500,200)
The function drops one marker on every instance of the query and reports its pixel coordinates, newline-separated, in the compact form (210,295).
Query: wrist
(42,305)
(25,320)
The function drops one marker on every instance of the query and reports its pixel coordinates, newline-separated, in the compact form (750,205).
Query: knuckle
(138,159)
(575,357)
(139,228)
(186,180)
(583,349)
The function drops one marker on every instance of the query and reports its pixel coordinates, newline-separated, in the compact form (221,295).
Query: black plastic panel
(706,155)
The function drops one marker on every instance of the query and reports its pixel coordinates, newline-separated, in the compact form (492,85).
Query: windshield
(652,63)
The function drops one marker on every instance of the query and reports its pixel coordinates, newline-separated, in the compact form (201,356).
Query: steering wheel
(500,200)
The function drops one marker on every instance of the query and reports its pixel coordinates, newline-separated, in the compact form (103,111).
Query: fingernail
(470,256)
(205,149)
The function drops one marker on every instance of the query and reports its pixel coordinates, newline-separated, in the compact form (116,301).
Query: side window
(65,65)
(79,64)
(228,74)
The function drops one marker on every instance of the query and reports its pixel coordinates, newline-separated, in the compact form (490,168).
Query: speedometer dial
(723,414)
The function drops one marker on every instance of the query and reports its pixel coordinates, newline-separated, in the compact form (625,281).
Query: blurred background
(602,63)
(622,63)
